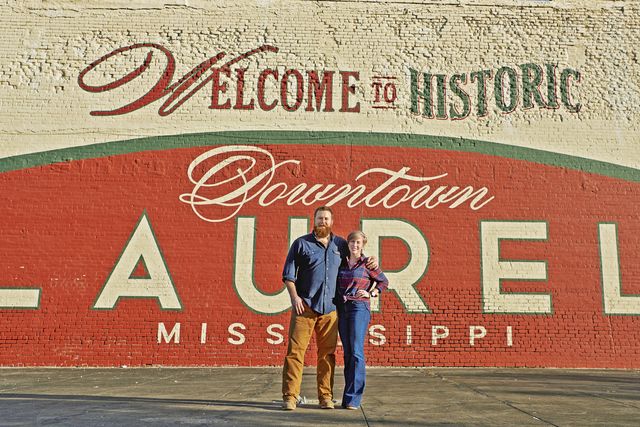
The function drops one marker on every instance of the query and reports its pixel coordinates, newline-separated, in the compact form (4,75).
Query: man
(310,273)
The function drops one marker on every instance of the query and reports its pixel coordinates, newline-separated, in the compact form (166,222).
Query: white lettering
(476,332)
(232,182)
(19,298)
(402,282)
(380,339)
(438,333)
(203,333)
(494,269)
(276,335)
(614,300)
(215,177)
(164,335)
(239,336)
(243,278)
(142,245)
(279,339)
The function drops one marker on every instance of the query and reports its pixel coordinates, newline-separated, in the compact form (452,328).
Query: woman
(356,285)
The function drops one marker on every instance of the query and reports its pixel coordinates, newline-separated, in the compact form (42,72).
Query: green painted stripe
(318,138)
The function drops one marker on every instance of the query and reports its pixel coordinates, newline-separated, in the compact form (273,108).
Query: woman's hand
(363,294)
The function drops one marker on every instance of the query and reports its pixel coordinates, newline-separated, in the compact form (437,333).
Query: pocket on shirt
(310,255)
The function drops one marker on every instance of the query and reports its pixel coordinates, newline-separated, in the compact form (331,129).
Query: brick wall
(157,162)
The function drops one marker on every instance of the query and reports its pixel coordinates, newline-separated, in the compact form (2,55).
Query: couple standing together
(324,273)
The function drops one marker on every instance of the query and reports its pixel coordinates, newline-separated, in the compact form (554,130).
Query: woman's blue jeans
(353,323)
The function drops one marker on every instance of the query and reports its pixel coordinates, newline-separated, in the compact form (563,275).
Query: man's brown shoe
(289,404)
(326,404)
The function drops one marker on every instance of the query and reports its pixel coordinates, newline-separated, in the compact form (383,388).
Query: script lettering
(232,182)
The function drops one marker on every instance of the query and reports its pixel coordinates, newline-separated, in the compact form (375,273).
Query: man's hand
(297,304)
(372,263)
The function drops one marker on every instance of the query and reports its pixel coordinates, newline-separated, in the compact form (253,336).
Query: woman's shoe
(351,408)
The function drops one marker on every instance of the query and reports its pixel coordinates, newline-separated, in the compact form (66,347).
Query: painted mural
(154,173)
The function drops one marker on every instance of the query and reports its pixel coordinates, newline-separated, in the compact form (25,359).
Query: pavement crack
(608,399)
(364,415)
(482,393)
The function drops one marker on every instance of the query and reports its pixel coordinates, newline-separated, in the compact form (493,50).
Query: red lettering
(261,81)
(390,93)
(185,82)
(347,88)
(159,90)
(292,85)
(240,92)
(317,90)
(163,87)
(377,86)
(299,90)
(218,88)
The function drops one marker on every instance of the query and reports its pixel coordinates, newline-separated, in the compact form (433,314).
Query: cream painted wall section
(45,45)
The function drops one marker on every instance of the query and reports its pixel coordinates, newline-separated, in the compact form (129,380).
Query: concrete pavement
(251,396)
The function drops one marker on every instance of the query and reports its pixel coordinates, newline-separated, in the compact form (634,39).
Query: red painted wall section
(65,226)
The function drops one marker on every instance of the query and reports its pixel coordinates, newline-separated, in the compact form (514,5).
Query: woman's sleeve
(379,278)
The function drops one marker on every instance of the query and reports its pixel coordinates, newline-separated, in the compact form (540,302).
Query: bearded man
(310,273)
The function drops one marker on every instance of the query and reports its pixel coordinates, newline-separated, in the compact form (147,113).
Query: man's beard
(321,231)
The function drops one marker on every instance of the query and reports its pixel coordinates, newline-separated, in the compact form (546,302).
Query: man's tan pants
(300,331)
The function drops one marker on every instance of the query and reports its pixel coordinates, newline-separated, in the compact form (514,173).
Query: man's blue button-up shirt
(314,270)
